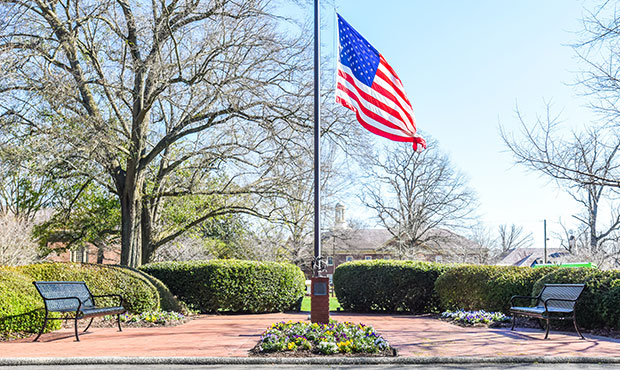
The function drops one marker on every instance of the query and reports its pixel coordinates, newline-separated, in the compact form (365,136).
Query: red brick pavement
(235,335)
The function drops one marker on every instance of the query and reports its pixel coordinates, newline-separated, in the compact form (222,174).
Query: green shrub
(138,293)
(21,308)
(167,300)
(599,303)
(232,285)
(482,287)
(390,286)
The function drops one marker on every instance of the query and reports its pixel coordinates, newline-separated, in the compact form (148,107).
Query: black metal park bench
(74,297)
(555,302)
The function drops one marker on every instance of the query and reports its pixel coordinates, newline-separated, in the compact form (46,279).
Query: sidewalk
(235,335)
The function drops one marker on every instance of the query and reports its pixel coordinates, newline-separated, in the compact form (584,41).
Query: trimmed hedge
(21,307)
(232,285)
(167,300)
(138,293)
(599,305)
(391,286)
(483,287)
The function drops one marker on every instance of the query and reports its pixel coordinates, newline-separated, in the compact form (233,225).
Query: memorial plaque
(320,288)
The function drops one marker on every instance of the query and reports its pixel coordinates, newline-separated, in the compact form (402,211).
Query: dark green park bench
(555,302)
(74,297)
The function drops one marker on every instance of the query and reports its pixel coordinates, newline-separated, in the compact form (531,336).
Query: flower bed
(306,339)
(470,318)
(150,318)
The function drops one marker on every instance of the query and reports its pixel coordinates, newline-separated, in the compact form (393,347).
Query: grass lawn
(333,304)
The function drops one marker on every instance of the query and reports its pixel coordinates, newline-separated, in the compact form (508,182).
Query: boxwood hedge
(21,307)
(599,305)
(391,286)
(232,285)
(484,287)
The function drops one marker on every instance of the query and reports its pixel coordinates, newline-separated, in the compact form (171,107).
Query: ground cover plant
(303,338)
(149,318)
(470,318)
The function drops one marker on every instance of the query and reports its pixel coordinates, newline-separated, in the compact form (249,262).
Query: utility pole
(545,244)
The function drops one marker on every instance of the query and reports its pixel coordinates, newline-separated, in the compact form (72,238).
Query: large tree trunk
(131,251)
(129,184)
(147,245)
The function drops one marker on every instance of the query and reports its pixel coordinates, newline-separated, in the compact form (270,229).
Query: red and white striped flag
(367,85)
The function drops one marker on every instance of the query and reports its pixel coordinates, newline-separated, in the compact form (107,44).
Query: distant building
(533,256)
(85,254)
(343,244)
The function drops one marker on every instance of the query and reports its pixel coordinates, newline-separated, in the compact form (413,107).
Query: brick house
(343,244)
(88,253)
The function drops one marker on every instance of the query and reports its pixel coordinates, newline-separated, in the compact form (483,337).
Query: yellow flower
(291,346)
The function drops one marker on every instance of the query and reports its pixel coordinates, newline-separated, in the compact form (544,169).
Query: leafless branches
(416,193)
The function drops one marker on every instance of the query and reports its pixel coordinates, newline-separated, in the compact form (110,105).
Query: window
(79,255)
(330,261)
(368,258)
(349,258)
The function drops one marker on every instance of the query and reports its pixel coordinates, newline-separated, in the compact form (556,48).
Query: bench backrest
(562,291)
(63,289)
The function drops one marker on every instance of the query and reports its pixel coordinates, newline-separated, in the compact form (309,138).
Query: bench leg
(91,321)
(576,328)
(547,330)
(77,337)
(118,321)
(513,322)
(42,329)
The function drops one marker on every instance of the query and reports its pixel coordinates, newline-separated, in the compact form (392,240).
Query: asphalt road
(314,367)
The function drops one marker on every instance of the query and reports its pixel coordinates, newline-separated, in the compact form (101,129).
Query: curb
(302,360)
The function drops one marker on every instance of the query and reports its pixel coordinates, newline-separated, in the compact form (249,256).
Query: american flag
(367,85)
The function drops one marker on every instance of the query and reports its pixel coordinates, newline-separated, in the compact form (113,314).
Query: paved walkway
(235,335)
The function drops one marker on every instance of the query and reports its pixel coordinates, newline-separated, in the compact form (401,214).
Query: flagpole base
(319,300)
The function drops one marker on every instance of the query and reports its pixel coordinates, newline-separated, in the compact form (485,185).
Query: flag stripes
(378,99)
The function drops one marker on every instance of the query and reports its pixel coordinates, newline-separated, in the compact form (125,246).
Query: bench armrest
(120,298)
(520,297)
(557,299)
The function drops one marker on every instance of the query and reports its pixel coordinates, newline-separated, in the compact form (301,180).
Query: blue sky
(465,66)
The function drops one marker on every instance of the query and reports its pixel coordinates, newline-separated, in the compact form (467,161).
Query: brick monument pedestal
(319,300)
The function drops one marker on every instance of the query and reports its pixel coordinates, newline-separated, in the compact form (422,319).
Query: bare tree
(16,244)
(156,102)
(584,164)
(415,193)
(512,237)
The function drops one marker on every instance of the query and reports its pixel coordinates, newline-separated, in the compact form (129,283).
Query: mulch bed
(99,322)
